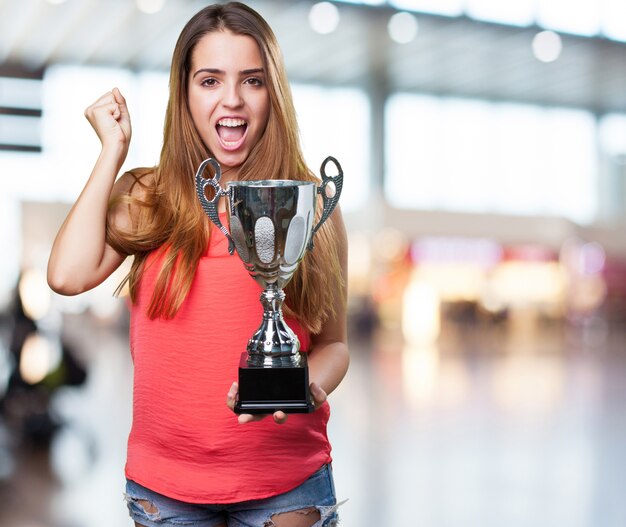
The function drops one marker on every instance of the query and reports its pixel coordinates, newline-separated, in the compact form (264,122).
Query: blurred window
(19,132)
(614,19)
(581,17)
(365,2)
(476,156)
(513,12)
(20,92)
(437,7)
(20,113)
(336,122)
(613,134)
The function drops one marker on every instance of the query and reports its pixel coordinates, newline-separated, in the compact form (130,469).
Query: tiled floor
(520,425)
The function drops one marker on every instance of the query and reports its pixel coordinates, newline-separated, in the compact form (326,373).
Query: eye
(254,81)
(208,82)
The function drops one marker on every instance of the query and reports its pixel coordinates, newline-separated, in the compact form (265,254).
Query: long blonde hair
(168,216)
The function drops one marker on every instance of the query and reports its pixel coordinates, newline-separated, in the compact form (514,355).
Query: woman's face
(228,96)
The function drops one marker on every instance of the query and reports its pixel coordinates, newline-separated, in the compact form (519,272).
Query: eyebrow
(217,71)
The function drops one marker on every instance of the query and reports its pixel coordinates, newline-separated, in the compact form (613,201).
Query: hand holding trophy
(272,225)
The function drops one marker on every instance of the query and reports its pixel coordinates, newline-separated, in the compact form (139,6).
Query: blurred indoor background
(484,150)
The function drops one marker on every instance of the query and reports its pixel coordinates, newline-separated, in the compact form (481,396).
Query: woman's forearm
(328,364)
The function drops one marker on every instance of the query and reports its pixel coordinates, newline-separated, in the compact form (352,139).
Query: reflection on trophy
(272,224)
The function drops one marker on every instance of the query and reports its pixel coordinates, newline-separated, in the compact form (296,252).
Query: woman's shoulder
(131,190)
(135,183)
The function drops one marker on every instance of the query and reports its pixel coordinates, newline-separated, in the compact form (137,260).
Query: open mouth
(231,131)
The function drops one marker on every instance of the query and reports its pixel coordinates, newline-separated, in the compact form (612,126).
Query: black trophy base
(265,390)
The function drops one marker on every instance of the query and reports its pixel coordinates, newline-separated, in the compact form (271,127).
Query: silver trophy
(272,225)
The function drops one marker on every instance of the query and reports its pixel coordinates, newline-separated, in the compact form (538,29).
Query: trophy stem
(274,344)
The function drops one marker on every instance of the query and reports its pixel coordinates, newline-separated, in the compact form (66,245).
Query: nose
(232,96)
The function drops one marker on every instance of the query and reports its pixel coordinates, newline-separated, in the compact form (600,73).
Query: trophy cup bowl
(272,225)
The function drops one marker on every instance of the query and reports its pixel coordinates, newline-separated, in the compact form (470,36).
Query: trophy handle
(329,203)
(210,206)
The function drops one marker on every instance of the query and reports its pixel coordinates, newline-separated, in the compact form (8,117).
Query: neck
(229,174)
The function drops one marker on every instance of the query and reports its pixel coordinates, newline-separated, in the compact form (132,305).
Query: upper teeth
(231,122)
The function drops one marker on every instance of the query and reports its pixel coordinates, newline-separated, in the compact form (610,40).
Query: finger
(232,396)
(319,395)
(108,107)
(280,417)
(117,94)
(249,418)
(107,98)
(103,100)
(119,98)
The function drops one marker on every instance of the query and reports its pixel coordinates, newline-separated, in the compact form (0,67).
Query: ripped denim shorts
(316,494)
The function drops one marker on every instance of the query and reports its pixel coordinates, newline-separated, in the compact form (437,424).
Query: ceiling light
(436,7)
(402,27)
(34,294)
(150,6)
(365,2)
(56,2)
(324,17)
(547,46)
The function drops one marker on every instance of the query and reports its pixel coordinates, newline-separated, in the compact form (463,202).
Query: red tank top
(185,442)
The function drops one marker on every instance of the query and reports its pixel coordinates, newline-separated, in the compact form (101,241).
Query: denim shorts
(155,510)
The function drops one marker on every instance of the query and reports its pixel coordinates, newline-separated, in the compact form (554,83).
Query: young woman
(193,307)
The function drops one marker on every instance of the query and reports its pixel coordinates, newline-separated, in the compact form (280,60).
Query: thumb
(231,398)
(319,395)
(120,100)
